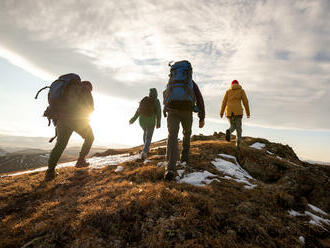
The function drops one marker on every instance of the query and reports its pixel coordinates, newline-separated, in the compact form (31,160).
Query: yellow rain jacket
(232,101)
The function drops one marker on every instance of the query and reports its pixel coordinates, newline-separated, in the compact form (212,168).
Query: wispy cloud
(279,50)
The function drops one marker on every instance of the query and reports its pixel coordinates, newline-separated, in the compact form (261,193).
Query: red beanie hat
(234,82)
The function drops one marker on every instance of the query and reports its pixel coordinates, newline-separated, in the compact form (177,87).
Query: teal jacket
(149,121)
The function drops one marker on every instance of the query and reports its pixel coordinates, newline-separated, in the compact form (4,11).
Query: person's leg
(231,128)
(63,135)
(238,125)
(148,137)
(186,122)
(173,125)
(232,124)
(144,135)
(86,132)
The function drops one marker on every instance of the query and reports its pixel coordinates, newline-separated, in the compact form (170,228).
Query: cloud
(278,50)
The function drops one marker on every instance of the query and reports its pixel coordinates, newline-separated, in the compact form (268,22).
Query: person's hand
(221,116)
(248,116)
(201,123)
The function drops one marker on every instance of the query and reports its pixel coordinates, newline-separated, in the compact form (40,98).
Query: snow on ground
(258,145)
(302,239)
(119,168)
(233,171)
(180,173)
(146,161)
(198,178)
(271,153)
(316,209)
(162,164)
(294,213)
(316,220)
(95,163)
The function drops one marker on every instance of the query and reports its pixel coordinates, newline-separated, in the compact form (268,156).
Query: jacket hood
(235,87)
(153,92)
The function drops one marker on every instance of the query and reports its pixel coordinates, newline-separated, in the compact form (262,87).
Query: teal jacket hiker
(155,118)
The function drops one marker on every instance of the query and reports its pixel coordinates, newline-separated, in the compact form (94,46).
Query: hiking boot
(228,135)
(144,155)
(81,163)
(50,175)
(169,175)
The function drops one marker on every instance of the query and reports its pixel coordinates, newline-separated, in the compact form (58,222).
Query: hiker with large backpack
(70,104)
(149,114)
(234,110)
(182,97)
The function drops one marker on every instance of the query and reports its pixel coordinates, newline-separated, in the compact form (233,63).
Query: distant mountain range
(19,153)
(34,158)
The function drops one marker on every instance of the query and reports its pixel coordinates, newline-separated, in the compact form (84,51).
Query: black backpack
(55,96)
(147,106)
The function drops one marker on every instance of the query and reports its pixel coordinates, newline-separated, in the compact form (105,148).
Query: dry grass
(136,208)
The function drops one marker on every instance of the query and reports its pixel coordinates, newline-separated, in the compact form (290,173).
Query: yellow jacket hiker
(232,103)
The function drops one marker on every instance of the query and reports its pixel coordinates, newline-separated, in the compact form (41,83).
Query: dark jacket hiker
(70,113)
(149,114)
(182,97)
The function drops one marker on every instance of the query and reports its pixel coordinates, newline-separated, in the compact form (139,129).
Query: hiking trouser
(64,131)
(175,117)
(147,136)
(236,124)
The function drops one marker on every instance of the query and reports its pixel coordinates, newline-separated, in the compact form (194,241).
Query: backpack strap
(51,140)
(36,97)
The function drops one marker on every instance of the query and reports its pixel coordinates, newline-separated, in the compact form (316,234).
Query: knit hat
(234,82)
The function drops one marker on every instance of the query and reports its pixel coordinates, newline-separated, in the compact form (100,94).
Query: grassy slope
(136,208)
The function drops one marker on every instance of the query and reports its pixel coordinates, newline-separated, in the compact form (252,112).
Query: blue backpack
(55,95)
(180,86)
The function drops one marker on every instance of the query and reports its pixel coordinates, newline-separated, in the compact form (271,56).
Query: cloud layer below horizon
(278,50)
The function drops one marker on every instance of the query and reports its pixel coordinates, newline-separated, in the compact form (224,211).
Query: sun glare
(110,121)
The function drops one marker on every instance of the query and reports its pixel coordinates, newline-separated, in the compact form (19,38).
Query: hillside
(26,159)
(264,197)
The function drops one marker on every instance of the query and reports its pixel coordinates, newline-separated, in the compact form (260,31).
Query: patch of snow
(162,164)
(316,220)
(252,186)
(146,161)
(182,164)
(180,173)
(198,178)
(295,213)
(119,168)
(302,239)
(271,153)
(95,163)
(258,145)
(228,156)
(316,209)
(279,157)
(233,171)
(44,155)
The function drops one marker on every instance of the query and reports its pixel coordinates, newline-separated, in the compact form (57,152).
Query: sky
(278,50)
